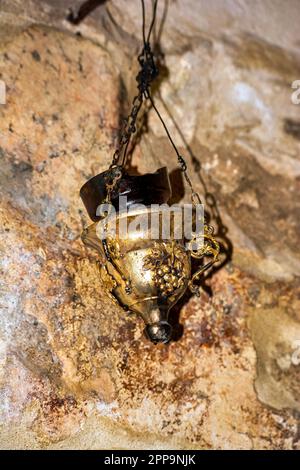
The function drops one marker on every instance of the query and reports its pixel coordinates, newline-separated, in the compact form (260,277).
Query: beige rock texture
(76,371)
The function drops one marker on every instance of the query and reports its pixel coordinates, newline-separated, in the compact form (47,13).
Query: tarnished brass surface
(145,275)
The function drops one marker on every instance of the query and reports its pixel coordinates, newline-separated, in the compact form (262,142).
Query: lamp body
(144,272)
(144,275)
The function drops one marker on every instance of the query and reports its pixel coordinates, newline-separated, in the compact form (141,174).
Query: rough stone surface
(76,372)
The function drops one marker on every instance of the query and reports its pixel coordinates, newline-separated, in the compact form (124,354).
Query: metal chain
(148,72)
(128,128)
(182,163)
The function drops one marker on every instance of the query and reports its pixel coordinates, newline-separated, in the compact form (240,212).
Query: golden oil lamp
(144,274)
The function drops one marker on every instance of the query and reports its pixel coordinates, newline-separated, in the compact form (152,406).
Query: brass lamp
(144,275)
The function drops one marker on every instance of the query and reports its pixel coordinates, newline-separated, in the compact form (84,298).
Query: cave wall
(76,371)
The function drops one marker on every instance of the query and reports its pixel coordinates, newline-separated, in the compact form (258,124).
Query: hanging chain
(182,163)
(148,72)
(128,128)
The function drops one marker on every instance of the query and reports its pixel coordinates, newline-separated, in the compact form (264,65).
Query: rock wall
(76,371)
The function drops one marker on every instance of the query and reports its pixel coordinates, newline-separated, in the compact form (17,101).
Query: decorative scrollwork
(113,248)
(108,280)
(208,247)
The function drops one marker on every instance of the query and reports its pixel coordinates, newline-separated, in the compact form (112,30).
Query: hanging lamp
(144,275)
